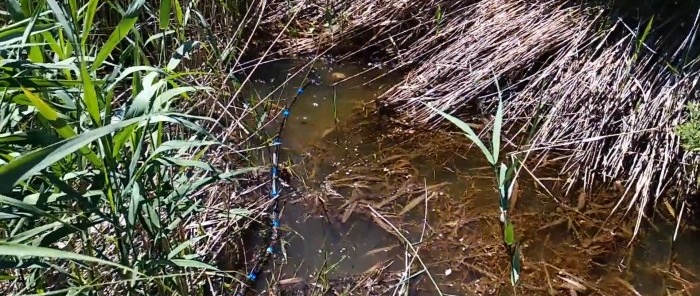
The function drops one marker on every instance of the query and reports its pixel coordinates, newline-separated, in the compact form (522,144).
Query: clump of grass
(101,172)
(689,131)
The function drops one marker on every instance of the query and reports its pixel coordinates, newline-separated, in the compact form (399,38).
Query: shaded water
(337,234)
(316,240)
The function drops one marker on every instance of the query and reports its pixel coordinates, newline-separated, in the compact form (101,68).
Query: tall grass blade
(19,251)
(87,21)
(471,135)
(30,209)
(125,25)
(193,264)
(37,160)
(15,10)
(181,52)
(181,247)
(509,234)
(497,124)
(515,266)
(59,124)
(142,101)
(164,14)
(180,144)
(90,95)
(60,14)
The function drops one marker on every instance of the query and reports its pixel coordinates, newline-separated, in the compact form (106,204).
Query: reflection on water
(462,217)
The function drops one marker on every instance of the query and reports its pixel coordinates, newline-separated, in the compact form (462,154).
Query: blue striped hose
(275,192)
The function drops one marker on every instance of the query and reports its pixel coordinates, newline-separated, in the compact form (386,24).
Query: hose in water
(275,192)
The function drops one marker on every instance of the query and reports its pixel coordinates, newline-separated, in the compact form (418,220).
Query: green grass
(505,173)
(689,131)
(98,167)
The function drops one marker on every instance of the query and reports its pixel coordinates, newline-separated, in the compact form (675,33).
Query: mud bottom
(387,209)
(423,188)
(368,284)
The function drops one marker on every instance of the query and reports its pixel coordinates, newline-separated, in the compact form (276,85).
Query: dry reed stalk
(607,105)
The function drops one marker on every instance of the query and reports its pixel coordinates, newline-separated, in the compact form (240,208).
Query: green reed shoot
(505,179)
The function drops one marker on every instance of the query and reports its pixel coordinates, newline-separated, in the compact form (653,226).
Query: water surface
(332,136)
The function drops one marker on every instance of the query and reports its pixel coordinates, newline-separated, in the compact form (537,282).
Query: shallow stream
(368,185)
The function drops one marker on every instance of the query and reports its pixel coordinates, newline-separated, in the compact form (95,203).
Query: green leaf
(37,160)
(178,12)
(509,234)
(37,83)
(31,137)
(193,264)
(515,266)
(163,101)
(27,207)
(646,32)
(164,14)
(183,246)
(184,50)
(90,95)
(153,217)
(64,231)
(496,137)
(134,205)
(35,53)
(174,224)
(502,183)
(19,251)
(180,144)
(31,233)
(15,10)
(62,18)
(125,25)
(189,187)
(87,21)
(237,172)
(120,139)
(143,99)
(131,70)
(60,125)
(168,161)
(471,135)
(158,36)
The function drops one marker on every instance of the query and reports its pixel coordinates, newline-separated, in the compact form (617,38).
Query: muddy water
(316,241)
(331,137)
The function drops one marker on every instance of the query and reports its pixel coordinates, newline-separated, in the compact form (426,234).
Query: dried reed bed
(614,113)
(608,100)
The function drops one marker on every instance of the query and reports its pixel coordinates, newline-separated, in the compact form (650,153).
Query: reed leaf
(90,95)
(21,251)
(468,132)
(37,160)
(496,134)
(123,28)
(87,21)
(164,14)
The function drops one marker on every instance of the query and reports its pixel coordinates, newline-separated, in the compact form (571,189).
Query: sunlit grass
(99,166)
(505,173)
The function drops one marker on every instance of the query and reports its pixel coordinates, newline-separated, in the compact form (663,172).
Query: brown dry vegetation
(609,93)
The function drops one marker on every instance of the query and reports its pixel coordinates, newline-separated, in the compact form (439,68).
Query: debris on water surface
(337,76)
